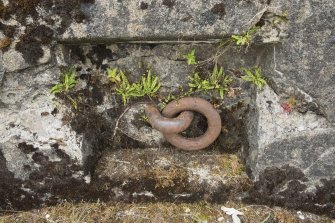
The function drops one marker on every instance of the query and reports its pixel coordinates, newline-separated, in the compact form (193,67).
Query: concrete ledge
(162,20)
(171,175)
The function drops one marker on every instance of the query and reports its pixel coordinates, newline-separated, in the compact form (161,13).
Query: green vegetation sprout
(124,88)
(190,57)
(113,75)
(216,81)
(68,82)
(245,38)
(147,86)
(254,76)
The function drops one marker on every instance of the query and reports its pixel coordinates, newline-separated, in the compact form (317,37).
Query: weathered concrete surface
(48,149)
(169,174)
(38,153)
(289,154)
(303,140)
(291,123)
(302,64)
(163,20)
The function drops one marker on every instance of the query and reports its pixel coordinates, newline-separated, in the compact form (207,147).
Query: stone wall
(50,151)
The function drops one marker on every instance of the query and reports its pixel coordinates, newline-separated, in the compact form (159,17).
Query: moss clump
(232,165)
(5,42)
(167,177)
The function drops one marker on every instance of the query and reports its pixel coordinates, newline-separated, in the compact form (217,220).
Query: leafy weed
(147,86)
(216,81)
(254,76)
(67,83)
(245,38)
(190,57)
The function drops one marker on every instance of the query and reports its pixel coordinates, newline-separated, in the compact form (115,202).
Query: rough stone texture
(304,60)
(303,140)
(2,70)
(152,20)
(37,150)
(49,154)
(14,61)
(291,153)
(30,27)
(169,174)
(291,156)
(49,149)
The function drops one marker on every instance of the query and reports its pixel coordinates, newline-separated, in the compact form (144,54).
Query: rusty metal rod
(168,125)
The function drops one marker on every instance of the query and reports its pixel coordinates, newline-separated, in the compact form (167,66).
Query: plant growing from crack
(289,105)
(124,88)
(147,86)
(245,38)
(216,81)
(254,76)
(242,40)
(68,81)
(190,57)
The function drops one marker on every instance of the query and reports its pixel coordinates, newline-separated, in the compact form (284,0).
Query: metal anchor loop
(170,127)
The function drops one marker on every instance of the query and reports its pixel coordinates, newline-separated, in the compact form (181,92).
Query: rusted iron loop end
(168,125)
(191,104)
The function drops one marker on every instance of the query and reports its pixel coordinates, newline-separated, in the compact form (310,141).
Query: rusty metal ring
(168,125)
(198,105)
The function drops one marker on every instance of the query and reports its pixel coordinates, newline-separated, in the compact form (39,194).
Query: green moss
(232,165)
(167,178)
(5,42)
(157,212)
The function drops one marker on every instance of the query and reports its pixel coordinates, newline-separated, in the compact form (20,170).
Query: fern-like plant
(245,38)
(113,75)
(68,82)
(124,88)
(216,81)
(190,57)
(148,85)
(254,76)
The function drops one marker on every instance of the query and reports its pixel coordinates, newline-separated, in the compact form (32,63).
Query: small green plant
(113,75)
(124,88)
(216,81)
(254,76)
(190,57)
(245,38)
(148,85)
(68,82)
